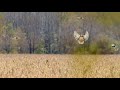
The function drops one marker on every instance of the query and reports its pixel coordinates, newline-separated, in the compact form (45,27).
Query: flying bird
(115,47)
(81,39)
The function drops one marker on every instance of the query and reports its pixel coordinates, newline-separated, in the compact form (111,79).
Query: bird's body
(81,40)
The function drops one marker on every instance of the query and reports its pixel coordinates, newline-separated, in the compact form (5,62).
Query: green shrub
(40,49)
(93,49)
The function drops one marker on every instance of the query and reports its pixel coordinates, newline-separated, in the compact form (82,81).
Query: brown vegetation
(59,66)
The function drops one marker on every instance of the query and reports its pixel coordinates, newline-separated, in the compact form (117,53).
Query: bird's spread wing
(86,36)
(76,35)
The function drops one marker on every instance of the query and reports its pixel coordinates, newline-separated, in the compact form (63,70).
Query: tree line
(52,32)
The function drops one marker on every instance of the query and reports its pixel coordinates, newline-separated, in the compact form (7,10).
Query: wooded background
(52,32)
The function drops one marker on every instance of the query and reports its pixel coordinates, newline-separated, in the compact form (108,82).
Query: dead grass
(59,66)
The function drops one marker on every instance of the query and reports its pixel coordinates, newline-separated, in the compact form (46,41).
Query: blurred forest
(52,32)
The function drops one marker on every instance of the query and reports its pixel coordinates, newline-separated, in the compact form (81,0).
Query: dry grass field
(59,66)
